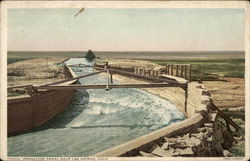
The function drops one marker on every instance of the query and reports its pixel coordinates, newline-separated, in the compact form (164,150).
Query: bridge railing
(177,70)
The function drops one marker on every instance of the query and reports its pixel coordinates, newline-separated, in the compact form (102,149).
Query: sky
(114,29)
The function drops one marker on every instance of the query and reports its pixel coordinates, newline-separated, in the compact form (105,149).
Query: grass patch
(13,60)
(238,149)
(210,69)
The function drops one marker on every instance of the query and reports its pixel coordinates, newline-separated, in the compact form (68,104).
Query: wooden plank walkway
(177,79)
(101,86)
(79,65)
(83,76)
(142,77)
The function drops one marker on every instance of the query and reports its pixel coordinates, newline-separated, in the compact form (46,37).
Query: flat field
(210,69)
(15,59)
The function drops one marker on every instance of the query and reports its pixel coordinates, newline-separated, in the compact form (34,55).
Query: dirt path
(227,94)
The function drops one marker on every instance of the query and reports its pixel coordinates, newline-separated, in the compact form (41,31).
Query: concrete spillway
(96,120)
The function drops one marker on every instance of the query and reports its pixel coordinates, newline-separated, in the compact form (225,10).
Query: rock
(170,140)
(178,145)
(165,146)
(205,135)
(187,136)
(206,100)
(195,142)
(238,138)
(226,153)
(161,152)
(228,139)
(219,148)
(206,93)
(218,137)
(185,152)
(202,129)
(208,124)
(194,149)
(200,86)
(144,154)
(208,150)
(212,116)
(197,135)
(152,148)
(209,130)
(209,139)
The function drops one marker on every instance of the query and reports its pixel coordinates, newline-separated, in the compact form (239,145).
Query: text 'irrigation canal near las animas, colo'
(96,120)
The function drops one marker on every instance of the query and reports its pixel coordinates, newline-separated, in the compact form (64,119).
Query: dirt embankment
(35,72)
(229,93)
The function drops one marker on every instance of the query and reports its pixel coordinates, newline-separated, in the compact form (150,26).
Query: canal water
(96,120)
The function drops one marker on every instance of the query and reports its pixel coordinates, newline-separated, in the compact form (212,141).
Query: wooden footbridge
(156,82)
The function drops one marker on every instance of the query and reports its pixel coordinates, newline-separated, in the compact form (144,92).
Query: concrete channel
(200,134)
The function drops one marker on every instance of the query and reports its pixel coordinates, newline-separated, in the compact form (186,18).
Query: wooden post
(182,71)
(111,78)
(177,70)
(30,90)
(190,76)
(172,69)
(186,98)
(160,72)
(168,66)
(107,86)
(185,71)
(141,71)
(157,73)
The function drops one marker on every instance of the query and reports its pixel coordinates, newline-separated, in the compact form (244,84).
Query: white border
(115,4)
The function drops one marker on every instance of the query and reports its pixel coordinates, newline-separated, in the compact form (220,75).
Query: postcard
(124,80)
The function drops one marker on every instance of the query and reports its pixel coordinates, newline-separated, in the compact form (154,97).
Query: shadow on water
(111,126)
(79,102)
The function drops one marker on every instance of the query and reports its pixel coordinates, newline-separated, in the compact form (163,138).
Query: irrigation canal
(95,120)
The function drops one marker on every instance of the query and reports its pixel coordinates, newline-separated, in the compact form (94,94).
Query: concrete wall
(144,142)
(27,112)
(198,97)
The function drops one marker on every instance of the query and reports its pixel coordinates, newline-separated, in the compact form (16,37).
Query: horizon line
(121,51)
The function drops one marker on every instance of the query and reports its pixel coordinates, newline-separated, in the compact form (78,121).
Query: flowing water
(96,120)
